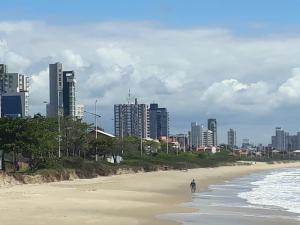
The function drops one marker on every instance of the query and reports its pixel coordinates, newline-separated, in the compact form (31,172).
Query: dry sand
(125,199)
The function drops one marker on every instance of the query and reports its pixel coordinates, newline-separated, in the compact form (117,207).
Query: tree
(8,137)
(39,139)
(74,137)
(130,145)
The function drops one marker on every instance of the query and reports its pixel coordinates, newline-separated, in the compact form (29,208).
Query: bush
(202,155)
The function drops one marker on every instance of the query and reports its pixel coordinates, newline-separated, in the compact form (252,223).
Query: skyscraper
(231,137)
(62,93)
(283,141)
(159,121)
(196,135)
(55,105)
(69,94)
(212,125)
(279,139)
(14,93)
(131,119)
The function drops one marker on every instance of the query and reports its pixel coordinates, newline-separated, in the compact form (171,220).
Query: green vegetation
(57,168)
(30,146)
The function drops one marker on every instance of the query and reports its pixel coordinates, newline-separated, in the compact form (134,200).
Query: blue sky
(234,60)
(172,12)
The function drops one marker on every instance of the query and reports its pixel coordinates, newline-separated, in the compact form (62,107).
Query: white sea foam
(280,189)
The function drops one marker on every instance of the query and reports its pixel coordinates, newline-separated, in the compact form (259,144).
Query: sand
(124,199)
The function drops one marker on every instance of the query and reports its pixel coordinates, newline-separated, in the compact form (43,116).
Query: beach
(126,199)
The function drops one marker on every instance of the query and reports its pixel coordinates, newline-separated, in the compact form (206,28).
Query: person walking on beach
(193,186)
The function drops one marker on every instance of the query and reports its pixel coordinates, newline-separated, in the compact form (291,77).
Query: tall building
(283,141)
(273,141)
(131,119)
(196,135)
(62,91)
(159,121)
(212,125)
(231,137)
(55,106)
(3,78)
(291,142)
(14,94)
(207,137)
(280,139)
(69,83)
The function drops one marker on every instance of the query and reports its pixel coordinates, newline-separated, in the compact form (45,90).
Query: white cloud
(111,56)
(192,71)
(290,89)
(72,59)
(11,58)
(16,27)
(234,95)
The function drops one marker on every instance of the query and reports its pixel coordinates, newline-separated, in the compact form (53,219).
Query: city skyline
(212,72)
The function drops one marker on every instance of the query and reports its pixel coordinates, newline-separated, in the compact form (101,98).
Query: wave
(279,189)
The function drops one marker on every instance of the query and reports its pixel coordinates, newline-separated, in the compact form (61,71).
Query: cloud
(194,72)
(39,87)
(234,95)
(72,59)
(114,56)
(290,89)
(16,27)
(11,58)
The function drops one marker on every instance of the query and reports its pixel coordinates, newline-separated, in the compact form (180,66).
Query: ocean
(262,198)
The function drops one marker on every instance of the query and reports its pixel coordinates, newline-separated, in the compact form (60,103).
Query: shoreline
(123,199)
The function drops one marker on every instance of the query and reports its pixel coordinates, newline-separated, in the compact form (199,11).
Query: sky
(236,61)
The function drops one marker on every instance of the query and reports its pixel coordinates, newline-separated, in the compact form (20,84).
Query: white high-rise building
(207,137)
(196,135)
(62,91)
(231,137)
(280,139)
(131,120)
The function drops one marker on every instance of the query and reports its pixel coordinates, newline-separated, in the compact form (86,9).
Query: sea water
(262,198)
(279,188)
